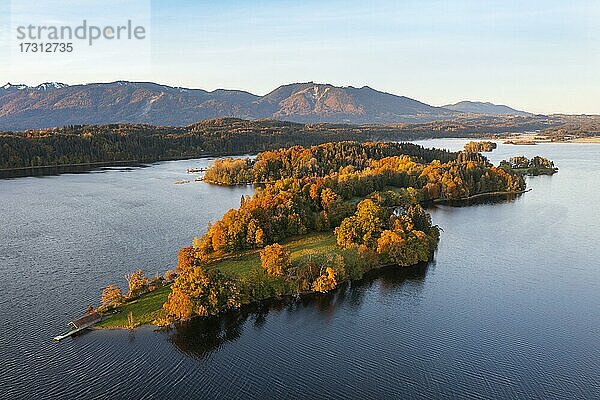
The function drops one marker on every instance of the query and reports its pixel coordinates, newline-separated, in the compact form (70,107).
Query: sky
(540,56)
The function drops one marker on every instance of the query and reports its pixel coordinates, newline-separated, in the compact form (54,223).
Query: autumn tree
(185,258)
(536,166)
(364,227)
(519,162)
(404,248)
(420,219)
(275,260)
(305,269)
(170,275)
(179,305)
(137,283)
(319,160)
(392,245)
(199,292)
(229,171)
(312,266)
(359,259)
(112,297)
(476,147)
(325,282)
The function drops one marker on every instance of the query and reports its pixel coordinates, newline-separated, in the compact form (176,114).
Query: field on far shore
(535,138)
(595,139)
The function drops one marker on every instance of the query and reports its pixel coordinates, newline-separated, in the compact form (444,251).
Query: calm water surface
(510,307)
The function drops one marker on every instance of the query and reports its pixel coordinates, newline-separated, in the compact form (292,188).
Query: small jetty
(80,324)
(194,170)
(181,182)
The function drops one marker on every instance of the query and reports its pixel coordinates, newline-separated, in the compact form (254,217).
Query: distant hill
(23,107)
(478,107)
(55,104)
(311,102)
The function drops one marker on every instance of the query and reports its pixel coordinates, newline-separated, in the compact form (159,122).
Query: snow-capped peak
(11,86)
(42,87)
(50,85)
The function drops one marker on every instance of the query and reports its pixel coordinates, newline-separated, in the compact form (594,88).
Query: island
(321,215)
(479,147)
(534,167)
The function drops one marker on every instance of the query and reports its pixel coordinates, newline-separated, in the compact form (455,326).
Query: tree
(112,297)
(179,305)
(364,227)
(328,197)
(391,245)
(185,258)
(137,283)
(419,218)
(325,282)
(476,147)
(275,260)
(199,292)
(404,248)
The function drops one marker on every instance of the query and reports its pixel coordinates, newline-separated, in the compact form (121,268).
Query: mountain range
(55,104)
(478,107)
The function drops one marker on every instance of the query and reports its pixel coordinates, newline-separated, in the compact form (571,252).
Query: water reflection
(495,199)
(54,170)
(200,337)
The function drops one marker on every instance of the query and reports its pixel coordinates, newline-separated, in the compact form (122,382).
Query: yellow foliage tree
(197,292)
(179,305)
(137,283)
(185,258)
(325,282)
(275,260)
(391,245)
(112,297)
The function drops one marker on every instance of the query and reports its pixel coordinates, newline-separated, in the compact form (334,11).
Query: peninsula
(327,214)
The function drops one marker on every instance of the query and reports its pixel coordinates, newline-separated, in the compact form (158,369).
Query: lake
(509,308)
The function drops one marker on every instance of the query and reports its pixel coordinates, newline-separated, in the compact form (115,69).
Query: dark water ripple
(508,309)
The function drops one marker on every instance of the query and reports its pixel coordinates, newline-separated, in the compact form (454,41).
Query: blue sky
(542,56)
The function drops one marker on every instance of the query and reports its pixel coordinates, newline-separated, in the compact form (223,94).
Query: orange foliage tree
(325,282)
(185,258)
(112,297)
(137,283)
(199,292)
(275,260)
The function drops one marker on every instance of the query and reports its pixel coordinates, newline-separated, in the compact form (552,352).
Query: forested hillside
(320,160)
(86,144)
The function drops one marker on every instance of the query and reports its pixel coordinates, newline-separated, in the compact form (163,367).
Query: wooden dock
(70,333)
(80,324)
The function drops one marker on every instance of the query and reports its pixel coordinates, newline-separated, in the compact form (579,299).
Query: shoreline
(306,295)
(531,139)
(247,256)
(481,195)
(281,298)
(49,170)
(58,169)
